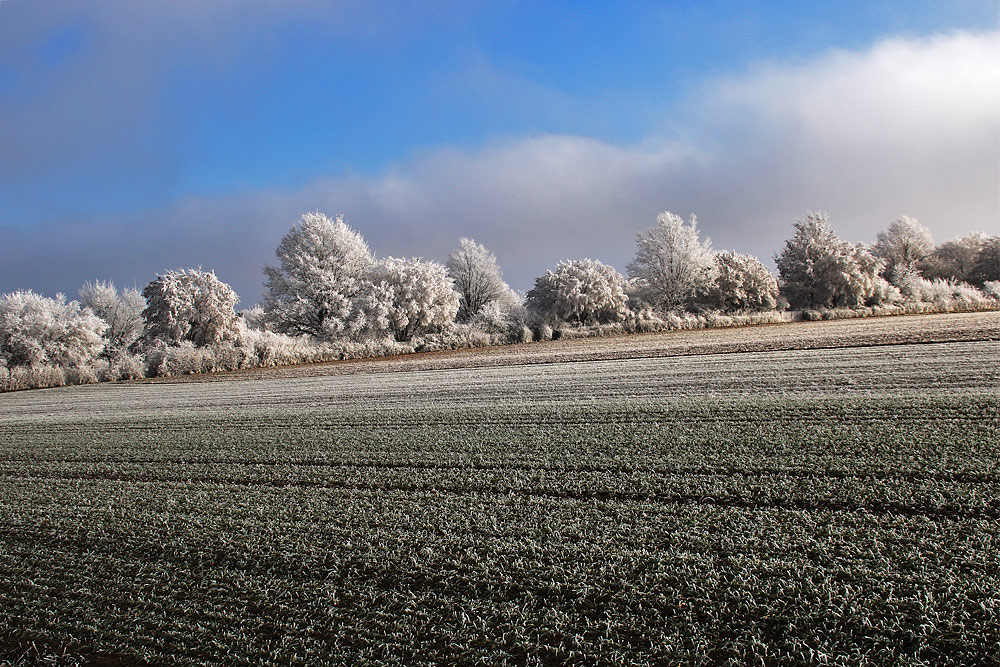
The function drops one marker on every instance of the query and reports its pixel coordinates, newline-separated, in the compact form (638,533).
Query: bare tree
(121,311)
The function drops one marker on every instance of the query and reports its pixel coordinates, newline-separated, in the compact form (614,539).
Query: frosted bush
(254,319)
(583,291)
(492,318)
(742,283)
(36,331)
(991,290)
(403,298)
(884,293)
(374,347)
(268,348)
(943,294)
(644,320)
(128,367)
(81,375)
(458,337)
(190,305)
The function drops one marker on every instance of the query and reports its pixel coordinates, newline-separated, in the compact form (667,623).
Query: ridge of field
(836,505)
(938,328)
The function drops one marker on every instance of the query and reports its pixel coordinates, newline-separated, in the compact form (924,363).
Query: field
(823,493)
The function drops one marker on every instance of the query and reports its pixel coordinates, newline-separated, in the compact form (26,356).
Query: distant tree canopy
(987,265)
(329,297)
(955,259)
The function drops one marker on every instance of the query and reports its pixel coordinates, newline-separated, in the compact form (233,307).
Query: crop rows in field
(931,368)
(811,506)
(675,530)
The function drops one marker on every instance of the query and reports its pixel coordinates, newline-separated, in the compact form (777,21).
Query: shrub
(190,305)
(584,291)
(743,284)
(942,294)
(885,293)
(39,331)
(458,337)
(991,289)
(404,298)
(254,318)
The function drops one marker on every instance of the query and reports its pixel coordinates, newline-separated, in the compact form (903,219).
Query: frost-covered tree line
(329,297)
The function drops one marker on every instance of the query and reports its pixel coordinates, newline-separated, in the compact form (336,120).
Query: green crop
(836,506)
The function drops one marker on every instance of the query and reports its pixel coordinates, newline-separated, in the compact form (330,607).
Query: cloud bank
(908,126)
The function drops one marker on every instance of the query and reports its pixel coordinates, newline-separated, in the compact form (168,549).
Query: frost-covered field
(839,503)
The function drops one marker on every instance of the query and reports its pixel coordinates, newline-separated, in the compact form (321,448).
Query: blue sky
(141,136)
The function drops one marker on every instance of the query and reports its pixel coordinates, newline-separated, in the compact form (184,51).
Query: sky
(139,136)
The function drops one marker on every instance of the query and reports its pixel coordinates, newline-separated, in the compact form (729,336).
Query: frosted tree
(37,330)
(742,283)
(404,298)
(818,270)
(254,318)
(478,279)
(987,266)
(954,260)
(905,243)
(121,311)
(584,291)
(674,269)
(323,264)
(190,305)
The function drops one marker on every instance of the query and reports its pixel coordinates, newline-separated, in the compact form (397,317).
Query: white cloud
(907,126)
